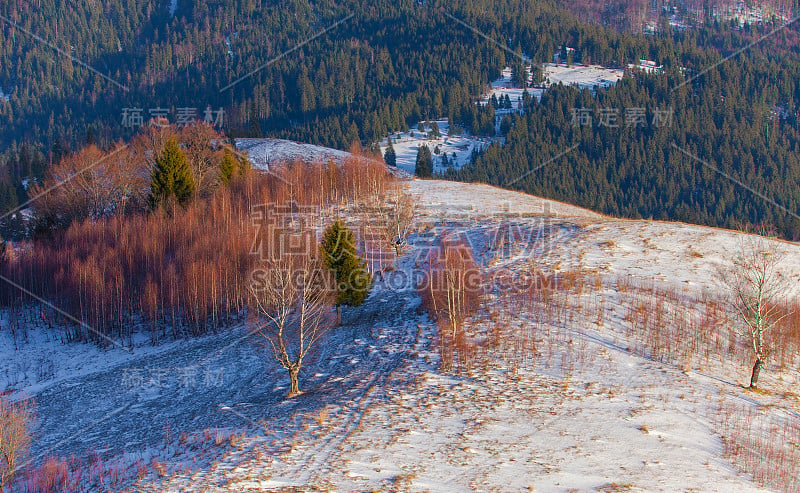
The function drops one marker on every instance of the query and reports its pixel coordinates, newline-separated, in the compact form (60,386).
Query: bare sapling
(451,293)
(399,212)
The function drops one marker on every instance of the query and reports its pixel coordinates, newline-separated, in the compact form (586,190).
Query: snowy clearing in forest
(459,148)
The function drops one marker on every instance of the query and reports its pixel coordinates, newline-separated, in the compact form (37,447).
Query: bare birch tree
(15,438)
(293,297)
(757,293)
(399,213)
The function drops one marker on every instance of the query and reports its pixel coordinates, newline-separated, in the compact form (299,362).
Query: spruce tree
(390,156)
(338,251)
(424,166)
(243,165)
(434,133)
(8,196)
(227,167)
(172,178)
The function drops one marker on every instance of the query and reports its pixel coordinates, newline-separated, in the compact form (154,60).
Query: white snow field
(505,87)
(583,76)
(458,147)
(574,401)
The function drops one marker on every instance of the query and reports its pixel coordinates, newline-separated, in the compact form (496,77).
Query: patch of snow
(34,359)
(583,76)
(228,45)
(504,86)
(459,148)
(647,66)
(442,197)
(265,152)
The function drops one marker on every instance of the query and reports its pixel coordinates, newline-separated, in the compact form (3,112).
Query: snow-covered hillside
(576,401)
(264,152)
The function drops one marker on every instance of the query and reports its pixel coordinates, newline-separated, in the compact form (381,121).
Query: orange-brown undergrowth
(184,273)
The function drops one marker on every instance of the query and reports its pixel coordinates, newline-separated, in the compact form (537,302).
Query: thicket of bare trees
(93,184)
(90,184)
(451,292)
(15,438)
(116,267)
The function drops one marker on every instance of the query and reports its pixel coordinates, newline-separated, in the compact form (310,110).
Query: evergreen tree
(227,167)
(8,197)
(424,165)
(390,156)
(505,125)
(91,139)
(172,178)
(243,165)
(338,250)
(518,74)
(434,133)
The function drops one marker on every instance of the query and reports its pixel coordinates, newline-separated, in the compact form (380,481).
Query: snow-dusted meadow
(504,86)
(582,76)
(571,398)
(459,148)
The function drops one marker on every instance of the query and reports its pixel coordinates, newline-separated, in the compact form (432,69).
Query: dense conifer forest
(720,150)
(338,73)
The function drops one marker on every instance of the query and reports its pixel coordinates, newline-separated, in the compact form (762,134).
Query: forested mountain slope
(336,73)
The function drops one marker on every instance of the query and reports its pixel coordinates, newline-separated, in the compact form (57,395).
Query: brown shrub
(764,445)
(451,292)
(15,438)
